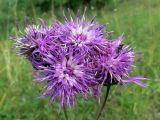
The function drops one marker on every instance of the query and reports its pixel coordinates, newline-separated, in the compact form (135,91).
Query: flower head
(65,77)
(117,64)
(28,45)
(85,36)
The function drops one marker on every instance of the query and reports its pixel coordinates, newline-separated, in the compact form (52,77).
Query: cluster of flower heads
(75,58)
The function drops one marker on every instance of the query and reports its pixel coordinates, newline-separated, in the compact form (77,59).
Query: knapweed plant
(76,58)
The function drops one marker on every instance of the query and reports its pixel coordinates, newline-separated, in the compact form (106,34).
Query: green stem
(65,112)
(104,103)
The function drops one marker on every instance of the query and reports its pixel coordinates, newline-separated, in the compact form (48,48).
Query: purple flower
(28,44)
(65,77)
(76,58)
(82,35)
(117,64)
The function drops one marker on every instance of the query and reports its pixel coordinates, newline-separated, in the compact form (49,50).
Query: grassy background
(140,22)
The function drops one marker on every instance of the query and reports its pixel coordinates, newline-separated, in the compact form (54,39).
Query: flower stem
(65,112)
(104,103)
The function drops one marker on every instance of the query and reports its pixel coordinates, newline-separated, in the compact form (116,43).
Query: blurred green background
(140,22)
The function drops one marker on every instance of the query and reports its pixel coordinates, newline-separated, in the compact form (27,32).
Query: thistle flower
(65,77)
(82,35)
(76,58)
(118,64)
(28,44)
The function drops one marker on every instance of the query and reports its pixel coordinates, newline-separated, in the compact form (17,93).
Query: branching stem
(104,103)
